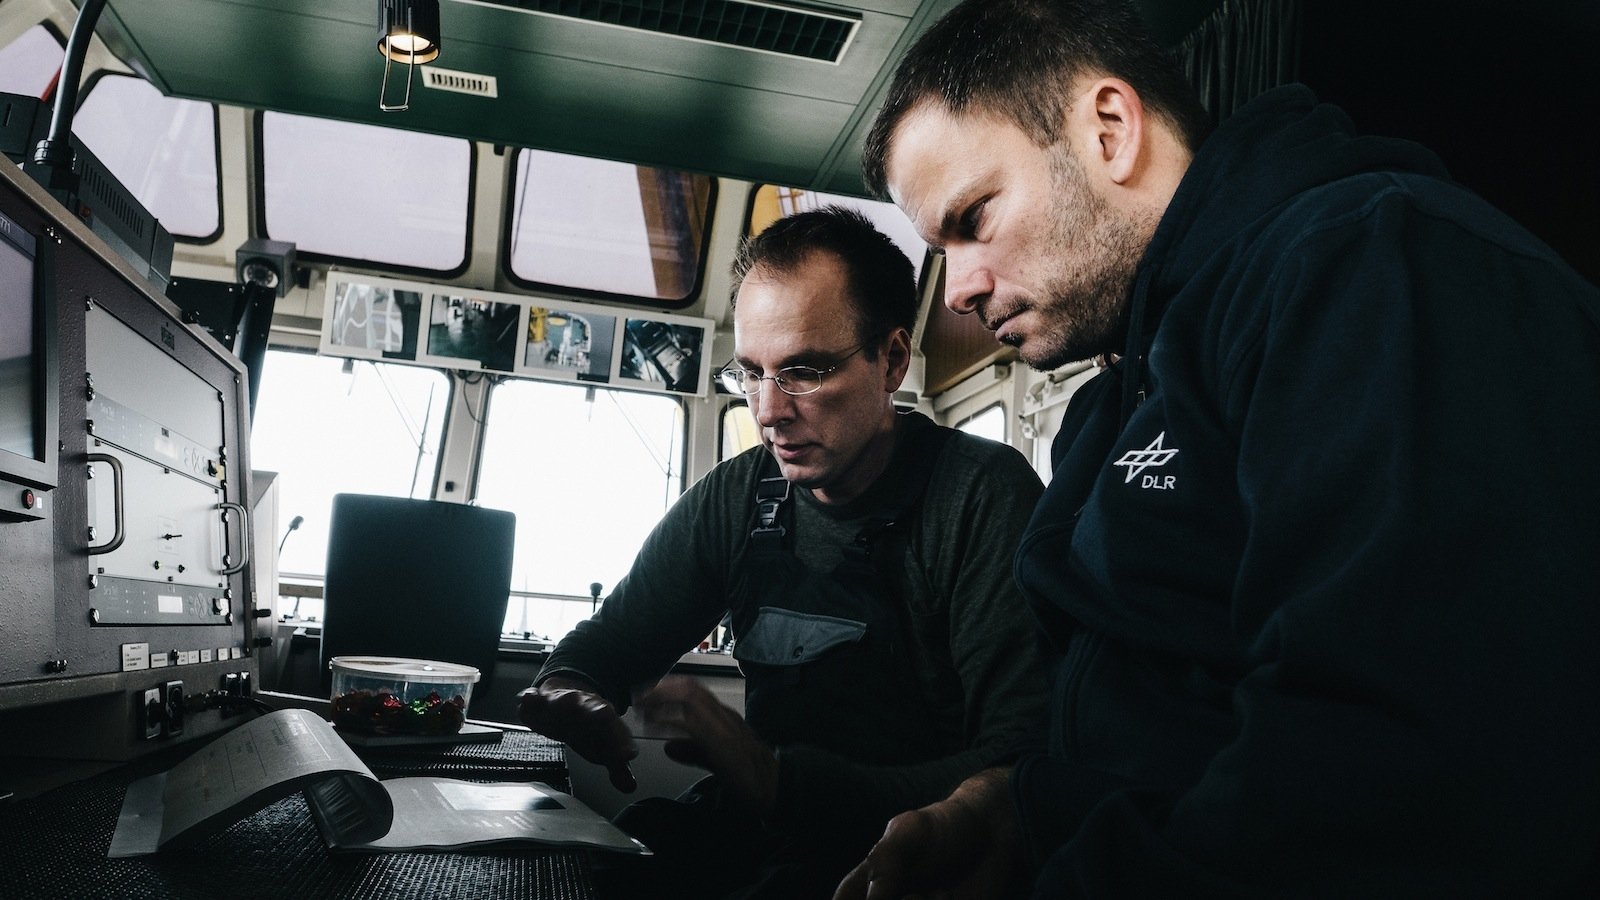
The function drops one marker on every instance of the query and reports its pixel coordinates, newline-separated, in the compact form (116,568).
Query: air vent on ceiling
(766,27)
(460,82)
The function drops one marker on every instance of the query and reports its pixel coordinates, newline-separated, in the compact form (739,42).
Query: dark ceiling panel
(1437,70)
(564,84)
(842,172)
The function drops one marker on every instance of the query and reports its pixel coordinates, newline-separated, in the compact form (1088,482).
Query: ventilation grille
(115,201)
(734,23)
(460,82)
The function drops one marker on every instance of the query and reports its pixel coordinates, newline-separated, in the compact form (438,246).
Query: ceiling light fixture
(408,32)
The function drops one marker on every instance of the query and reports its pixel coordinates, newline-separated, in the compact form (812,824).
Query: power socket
(152,712)
(173,703)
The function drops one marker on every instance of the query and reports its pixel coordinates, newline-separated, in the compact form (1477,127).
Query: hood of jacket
(1270,151)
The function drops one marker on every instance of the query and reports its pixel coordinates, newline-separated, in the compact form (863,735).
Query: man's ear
(1110,129)
(897,354)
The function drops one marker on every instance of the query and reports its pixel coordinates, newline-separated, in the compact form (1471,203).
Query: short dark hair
(1019,59)
(883,284)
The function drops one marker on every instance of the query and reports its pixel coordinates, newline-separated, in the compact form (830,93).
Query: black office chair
(416,578)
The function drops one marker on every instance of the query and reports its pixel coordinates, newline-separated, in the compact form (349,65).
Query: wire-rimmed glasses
(796,381)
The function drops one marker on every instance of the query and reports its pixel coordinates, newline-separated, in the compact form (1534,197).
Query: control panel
(125,567)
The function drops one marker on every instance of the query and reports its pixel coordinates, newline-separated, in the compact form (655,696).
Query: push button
(28,499)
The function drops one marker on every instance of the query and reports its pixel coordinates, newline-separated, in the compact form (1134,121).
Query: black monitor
(422,579)
(29,427)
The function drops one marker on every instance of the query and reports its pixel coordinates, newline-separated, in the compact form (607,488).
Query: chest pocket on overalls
(784,637)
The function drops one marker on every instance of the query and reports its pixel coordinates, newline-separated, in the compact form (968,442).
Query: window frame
(452,387)
(216,147)
(481,424)
(508,223)
(722,423)
(258,225)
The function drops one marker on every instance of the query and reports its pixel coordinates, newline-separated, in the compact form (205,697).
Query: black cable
(468,376)
(195,703)
(260,706)
(55,151)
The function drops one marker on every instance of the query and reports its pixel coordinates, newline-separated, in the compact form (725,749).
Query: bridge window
(588,472)
(989,422)
(772,202)
(739,430)
(328,426)
(28,64)
(607,228)
(347,191)
(162,149)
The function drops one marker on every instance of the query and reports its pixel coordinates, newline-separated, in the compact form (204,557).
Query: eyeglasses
(793,380)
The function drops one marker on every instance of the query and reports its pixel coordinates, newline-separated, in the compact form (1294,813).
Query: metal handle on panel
(244,537)
(116,503)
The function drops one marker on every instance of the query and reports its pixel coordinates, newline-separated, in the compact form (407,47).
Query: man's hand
(715,738)
(571,712)
(965,847)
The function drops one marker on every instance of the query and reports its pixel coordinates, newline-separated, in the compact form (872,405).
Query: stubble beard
(1099,251)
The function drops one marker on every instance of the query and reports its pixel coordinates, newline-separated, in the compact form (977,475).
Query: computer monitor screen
(19,345)
(28,376)
(421,579)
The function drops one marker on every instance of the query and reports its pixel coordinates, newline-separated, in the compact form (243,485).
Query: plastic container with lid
(385,695)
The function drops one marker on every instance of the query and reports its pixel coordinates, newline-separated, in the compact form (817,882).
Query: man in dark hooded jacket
(1321,551)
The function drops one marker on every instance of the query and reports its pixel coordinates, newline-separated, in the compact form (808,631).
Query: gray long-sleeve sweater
(970,626)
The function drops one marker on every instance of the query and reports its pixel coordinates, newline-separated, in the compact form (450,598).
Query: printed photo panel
(369,317)
(564,341)
(371,321)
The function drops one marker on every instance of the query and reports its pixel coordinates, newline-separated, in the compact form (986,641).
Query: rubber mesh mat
(514,746)
(55,847)
(518,756)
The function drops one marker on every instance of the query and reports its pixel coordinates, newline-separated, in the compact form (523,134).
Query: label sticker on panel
(135,657)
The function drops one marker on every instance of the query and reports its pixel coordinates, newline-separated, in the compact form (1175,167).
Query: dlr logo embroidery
(1153,456)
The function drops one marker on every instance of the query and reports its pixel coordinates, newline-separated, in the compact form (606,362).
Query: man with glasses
(865,557)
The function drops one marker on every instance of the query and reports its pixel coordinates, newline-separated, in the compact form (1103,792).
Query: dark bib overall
(827,655)
(827,664)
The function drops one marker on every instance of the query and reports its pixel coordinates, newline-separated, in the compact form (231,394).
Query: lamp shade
(408,30)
